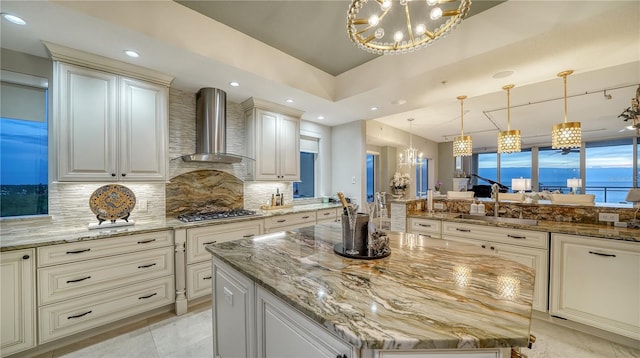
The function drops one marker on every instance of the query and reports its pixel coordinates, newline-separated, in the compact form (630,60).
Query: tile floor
(189,336)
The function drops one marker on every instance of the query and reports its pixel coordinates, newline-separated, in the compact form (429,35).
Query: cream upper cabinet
(596,282)
(111,122)
(18,308)
(273,140)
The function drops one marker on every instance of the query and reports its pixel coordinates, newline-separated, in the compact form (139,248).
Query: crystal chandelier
(434,19)
(410,156)
(509,141)
(462,145)
(566,134)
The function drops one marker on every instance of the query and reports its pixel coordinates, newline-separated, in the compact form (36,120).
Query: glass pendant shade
(509,141)
(566,134)
(410,155)
(462,145)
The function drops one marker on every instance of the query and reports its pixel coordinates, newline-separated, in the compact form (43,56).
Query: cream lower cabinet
(426,227)
(198,272)
(457,353)
(527,247)
(596,282)
(87,284)
(17,301)
(327,215)
(289,221)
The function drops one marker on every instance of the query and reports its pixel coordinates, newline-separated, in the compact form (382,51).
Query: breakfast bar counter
(427,295)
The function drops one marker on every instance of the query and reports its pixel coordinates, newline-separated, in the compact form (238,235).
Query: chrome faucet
(494,195)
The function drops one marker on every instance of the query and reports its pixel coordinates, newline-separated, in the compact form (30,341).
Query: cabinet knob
(483,246)
(341,356)
(25,257)
(124,174)
(492,248)
(113,174)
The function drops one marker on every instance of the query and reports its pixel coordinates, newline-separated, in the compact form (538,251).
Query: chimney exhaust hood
(211,128)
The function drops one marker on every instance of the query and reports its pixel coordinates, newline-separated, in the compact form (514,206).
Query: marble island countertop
(429,294)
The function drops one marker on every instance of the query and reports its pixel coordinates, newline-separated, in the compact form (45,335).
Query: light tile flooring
(189,336)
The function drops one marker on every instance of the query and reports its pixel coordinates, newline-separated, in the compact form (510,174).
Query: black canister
(362,233)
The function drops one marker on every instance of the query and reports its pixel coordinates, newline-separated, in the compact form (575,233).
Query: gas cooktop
(214,215)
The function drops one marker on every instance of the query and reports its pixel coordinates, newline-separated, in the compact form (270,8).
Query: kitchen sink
(499,219)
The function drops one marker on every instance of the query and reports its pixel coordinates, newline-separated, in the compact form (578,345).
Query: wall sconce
(521,185)
(574,184)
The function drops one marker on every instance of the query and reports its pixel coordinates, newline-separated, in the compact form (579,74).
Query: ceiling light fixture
(14,19)
(410,156)
(462,145)
(509,141)
(369,33)
(320,117)
(374,108)
(234,84)
(131,53)
(289,100)
(566,134)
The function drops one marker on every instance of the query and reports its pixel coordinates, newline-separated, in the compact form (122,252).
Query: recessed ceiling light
(321,117)
(14,19)
(234,84)
(131,53)
(374,108)
(503,74)
(289,100)
(399,101)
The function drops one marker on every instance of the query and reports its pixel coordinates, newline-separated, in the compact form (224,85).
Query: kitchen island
(430,297)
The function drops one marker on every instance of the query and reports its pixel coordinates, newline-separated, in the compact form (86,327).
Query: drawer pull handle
(78,280)
(306,217)
(209,242)
(78,251)
(79,315)
(147,296)
(516,236)
(325,214)
(146,266)
(207,278)
(247,236)
(146,241)
(281,221)
(601,254)
(463,230)
(424,225)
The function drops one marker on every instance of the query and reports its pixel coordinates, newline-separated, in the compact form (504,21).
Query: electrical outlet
(608,217)
(438,206)
(142,206)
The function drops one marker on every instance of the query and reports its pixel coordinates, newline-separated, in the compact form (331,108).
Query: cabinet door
(233,313)
(18,301)
(596,282)
(285,332)
(534,258)
(86,119)
(289,148)
(143,130)
(266,145)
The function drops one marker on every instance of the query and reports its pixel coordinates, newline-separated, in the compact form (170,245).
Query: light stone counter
(429,294)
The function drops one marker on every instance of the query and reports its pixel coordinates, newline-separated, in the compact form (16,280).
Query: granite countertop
(600,231)
(29,233)
(429,294)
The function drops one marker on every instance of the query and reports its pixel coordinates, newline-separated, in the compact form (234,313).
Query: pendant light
(462,145)
(509,141)
(410,156)
(566,134)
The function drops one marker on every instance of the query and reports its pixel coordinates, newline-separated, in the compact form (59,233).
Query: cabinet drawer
(198,238)
(78,315)
(62,282)
(288,220)
(539,239)
(326,215)
(433,228)
(199,279)
(60,254)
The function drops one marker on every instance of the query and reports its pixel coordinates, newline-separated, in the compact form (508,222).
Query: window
(422,178)
(305,188)
(371,175)
(23,146)
(515,165)
(555,166)
(487,167)
(609,169)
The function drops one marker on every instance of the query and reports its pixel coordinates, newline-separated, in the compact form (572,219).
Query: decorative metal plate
(112,202)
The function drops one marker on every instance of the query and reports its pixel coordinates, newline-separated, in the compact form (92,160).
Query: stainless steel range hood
(211,129)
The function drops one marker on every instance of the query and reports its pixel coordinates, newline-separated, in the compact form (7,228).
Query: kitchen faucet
(494,195)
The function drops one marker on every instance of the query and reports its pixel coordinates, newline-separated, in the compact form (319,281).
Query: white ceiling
(600,40)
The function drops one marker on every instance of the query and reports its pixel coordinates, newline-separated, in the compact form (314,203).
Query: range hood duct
(211,128)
